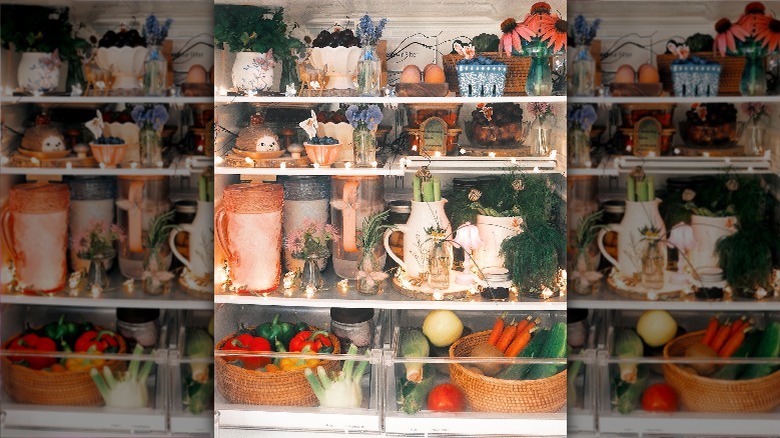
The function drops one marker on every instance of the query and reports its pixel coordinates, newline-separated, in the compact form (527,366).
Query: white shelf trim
(173,100)
(610,100)
(383,100)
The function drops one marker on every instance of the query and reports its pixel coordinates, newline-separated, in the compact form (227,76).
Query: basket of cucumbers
(518,387)
(731,387)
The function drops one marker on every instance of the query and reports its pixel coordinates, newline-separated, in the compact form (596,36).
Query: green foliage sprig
(247,28)
(39,29)
(372,230)
(158,229)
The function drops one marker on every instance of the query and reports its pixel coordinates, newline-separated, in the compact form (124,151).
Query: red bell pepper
(33,342)
(247,342)
(104,341)
(318,342)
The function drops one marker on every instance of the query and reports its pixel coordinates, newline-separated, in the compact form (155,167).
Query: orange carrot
(738,324)
(523,326)
(506,337)
(709,334)
(498,328)
(521,340)
(532,324)
(732,344)
(721,337)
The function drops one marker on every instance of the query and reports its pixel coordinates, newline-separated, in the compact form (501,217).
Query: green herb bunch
(158,229)
(246,28)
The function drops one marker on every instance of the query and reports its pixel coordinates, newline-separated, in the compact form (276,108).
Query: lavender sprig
(366,115)
(367,33)
(154,33)
(583,33)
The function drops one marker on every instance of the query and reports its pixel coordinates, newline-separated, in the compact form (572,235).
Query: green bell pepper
(275,330)
(301,326)
(61,330)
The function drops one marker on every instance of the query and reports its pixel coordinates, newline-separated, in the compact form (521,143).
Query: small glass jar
(498,282)
(353,326)
(138,326)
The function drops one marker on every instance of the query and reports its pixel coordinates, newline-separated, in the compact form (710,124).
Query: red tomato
(660,398)
(446,397)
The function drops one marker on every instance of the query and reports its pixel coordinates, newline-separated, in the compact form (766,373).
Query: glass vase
(75,75)
(654,264)
(155,72)
(542,142)
(364,144)
(156,277)
(755,138)
(371,276)
(369,72)
(439,262)
(579,148)
(96,274)
(539,81)
(289,74)
(150,142)
(311,277)
(583,72)
(753,81)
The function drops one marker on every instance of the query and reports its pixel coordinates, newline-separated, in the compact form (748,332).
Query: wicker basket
(730,73)
(702,394)
(64,388)
(281,388)
(516,74)
(489,394)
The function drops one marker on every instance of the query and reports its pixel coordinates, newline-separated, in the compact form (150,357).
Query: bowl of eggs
(428,82)
(643,81)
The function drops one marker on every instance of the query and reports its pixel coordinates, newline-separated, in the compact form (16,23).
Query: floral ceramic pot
(39,72)
(253,71)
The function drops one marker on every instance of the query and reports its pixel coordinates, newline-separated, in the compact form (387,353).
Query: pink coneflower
(769,35)
(553,29)
(539,11)
(512,33)
(728,34)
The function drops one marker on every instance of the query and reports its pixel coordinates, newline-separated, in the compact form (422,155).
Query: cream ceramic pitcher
(417,243)
(630,240)
(201,243)
(707,231)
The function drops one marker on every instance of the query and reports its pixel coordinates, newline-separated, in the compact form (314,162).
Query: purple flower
(155,116)
(367,33)
(582,117)
(154,33)
(369,116)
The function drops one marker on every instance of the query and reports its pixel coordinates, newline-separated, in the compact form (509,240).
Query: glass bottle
(369,71)
(654,264)
(439,262)
(97,275)
(155,71)
(543,141)
(91,200)
(311,277)
(150,142)
(370,275)
(539,81)
(364,143)
(156,277)
(583,72)
(755,138)
(753,81)
(305,197)
(579,148)
(353,198)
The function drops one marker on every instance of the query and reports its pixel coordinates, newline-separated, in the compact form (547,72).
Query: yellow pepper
(289,363)
(81,364)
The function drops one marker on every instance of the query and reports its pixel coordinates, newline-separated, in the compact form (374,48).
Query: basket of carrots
(726,386)
(276,379)
(491,386)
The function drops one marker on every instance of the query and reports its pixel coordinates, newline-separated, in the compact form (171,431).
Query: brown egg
(625,75)
(197,74)
(434,74)
(648,74)
(410,74)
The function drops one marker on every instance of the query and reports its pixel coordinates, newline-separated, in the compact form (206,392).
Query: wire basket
(64,388)
(703,394)
(280,388)
(516,73)
(489,394)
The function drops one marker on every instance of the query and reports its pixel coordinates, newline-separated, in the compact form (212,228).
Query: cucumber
(769,347)
(554,348)
(414,344)
(412,397)
(626,396)
(732,371)
(534,348)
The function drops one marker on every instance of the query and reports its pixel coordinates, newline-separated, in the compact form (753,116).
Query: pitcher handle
(7,230)
(388,250)
(187,228)
(600,241)
(220,229)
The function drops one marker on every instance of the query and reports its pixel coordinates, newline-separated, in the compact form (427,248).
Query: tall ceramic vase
(631,242)
(418,244)
(707,231)
(201,244)
(492,232)
(253,71)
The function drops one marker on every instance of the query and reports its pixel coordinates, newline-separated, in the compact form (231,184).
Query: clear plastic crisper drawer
(57,391)
(276,394)
(420,398)
(699,392)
